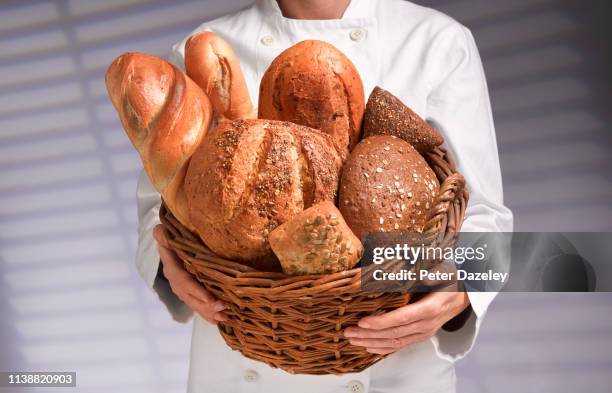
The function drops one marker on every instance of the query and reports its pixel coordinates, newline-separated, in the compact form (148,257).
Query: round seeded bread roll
(249,176)
(315,84)
(316,241)
(386,186)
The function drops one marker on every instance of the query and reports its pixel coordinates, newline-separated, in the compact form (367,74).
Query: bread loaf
(211,62)
(386,186)
(314,84)
(249,176)
(386,115)
(165,115)
(316,241)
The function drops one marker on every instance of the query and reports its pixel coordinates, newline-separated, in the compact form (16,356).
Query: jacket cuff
(149,267)
(180,311)
(454,345)
(147,256)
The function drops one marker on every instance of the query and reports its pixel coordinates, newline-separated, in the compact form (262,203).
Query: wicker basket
(296,323)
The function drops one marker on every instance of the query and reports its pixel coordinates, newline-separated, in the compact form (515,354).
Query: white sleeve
(459,107)
(177,55)
(147,256)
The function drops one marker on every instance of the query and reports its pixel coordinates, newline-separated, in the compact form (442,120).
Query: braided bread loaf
(165,115)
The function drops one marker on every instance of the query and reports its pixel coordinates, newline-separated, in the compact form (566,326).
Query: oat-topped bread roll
(386,115)
(165,115)
(386,186)
(249,176)
(211,62)
(314,84)
(316,241)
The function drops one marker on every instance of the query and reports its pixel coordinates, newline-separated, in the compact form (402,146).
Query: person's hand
(407,325)
(191,292)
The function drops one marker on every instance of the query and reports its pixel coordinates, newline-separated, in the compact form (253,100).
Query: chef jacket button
(267,40)
(357,35)
(355,386)
(250,375)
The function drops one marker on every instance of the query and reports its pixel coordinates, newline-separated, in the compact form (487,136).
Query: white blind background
(70,298)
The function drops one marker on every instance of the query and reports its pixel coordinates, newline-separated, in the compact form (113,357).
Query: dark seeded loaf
(387,115)
(386,186)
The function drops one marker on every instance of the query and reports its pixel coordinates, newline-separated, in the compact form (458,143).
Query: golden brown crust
(386,186)
(316,241)
(211,62)
(249,176)
(314,84)
(165,115)
(386,115)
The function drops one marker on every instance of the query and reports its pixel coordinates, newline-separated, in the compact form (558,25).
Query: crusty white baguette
(211,63)
(165,115)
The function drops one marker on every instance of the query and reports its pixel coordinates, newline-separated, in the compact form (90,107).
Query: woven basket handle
(443,215)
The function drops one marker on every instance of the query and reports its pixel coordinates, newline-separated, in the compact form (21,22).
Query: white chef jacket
(431,63)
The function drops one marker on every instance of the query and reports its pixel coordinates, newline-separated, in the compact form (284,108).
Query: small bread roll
(316,241)
(387,115)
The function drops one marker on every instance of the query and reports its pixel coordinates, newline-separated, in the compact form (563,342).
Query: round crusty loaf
(249,176)
(386,186)
(314,84)
(165,115)
(386,115)
(316,241)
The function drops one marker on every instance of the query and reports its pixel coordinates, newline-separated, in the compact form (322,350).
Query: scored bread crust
(212,64)
(165,115)
(386,186)
(249,176)
(314,84)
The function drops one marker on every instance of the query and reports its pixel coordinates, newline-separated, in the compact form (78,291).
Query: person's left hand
(412,323)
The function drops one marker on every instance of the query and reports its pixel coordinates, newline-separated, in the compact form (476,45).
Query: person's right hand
(190,291)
